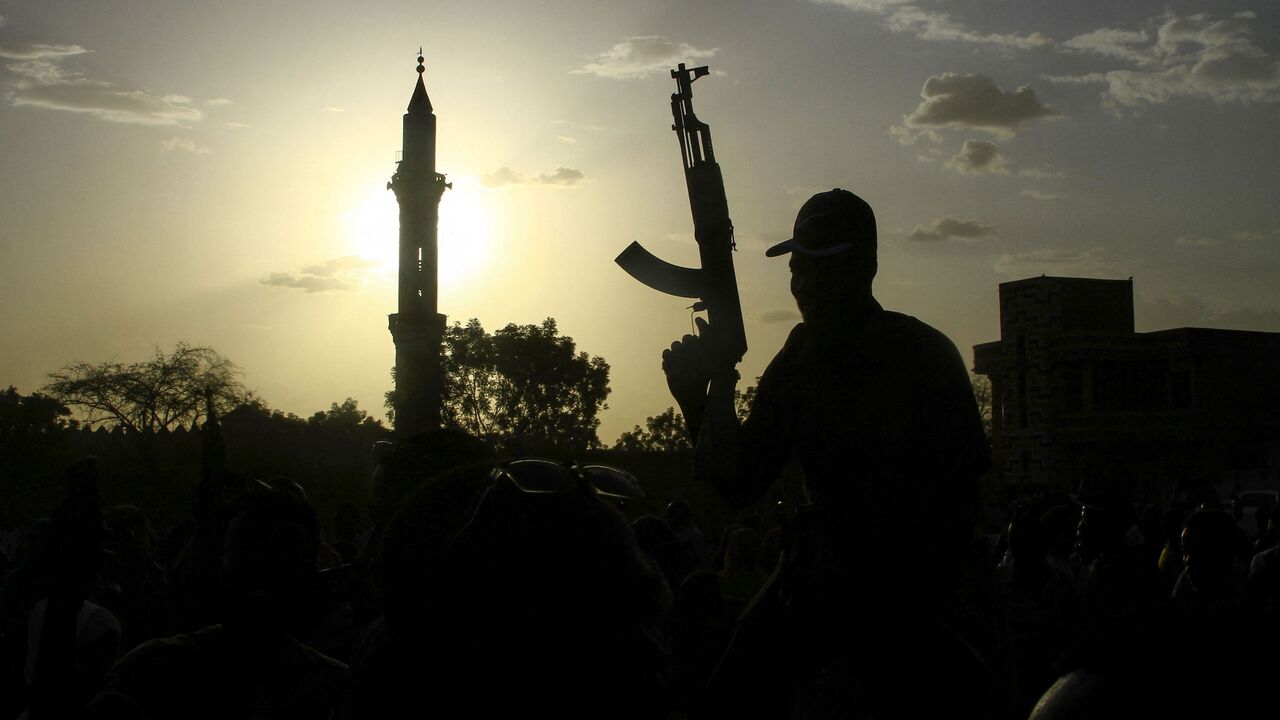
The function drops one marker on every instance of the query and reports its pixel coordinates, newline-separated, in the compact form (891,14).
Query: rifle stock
(714,283)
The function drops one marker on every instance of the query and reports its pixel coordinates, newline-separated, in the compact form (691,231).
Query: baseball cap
(829,223)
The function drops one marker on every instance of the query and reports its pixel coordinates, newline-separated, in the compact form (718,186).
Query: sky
(215,173)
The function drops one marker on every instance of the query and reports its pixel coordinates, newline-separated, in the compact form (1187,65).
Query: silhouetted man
(877,408)
(251,665)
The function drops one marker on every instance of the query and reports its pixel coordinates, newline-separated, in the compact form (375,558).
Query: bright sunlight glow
(373,229)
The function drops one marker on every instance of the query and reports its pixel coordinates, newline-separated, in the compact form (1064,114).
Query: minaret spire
(420,103)
(417,328)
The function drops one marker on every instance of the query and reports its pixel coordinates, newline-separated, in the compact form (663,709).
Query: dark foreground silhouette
(474,585)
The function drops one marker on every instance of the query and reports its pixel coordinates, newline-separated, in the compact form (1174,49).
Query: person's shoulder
(323,665)
(168,655)
(1266,561)
(925,341)
(914,328)
(151,679)
(797,341)
(798,336)
(791,350)
(175,645)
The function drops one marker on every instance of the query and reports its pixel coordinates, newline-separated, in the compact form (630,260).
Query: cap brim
(781,248)
(792,245)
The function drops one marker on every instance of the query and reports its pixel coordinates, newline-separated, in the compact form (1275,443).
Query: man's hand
(689,365)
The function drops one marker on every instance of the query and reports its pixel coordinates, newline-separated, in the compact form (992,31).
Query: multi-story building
(1080,398)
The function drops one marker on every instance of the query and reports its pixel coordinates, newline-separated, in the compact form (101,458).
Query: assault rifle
(714,284)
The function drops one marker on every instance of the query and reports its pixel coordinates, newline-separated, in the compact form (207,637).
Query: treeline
(527,390)
(329,454)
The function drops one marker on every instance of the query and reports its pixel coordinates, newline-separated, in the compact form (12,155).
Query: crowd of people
(475,585)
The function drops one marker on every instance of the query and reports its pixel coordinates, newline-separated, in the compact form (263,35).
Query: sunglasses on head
(535,476)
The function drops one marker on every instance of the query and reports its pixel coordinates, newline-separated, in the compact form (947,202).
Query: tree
(346,418)
(34,414)
(157,394)
(522,383)
(982,396)
(667,432)
(661,433)
(743,400)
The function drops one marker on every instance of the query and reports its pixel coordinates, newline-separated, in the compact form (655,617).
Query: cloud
(341,274)
(1123,44)
(1039,194)
(927,25)
(176,144)
(978,157)
(1195,241)
(334,109)
(37,51)
(948,227)
(907,136)
(100,100)
(39,80)
(346,263)
(974,101)
(1078,262)
(637,57)
(903,16)
(235,125)
(1187,56)
(567,140)
(1041,173)
(876,6)
(778,317)
(219,102)
(306,283)
(502,177)
(1248,236)
(561,176)
(505,176)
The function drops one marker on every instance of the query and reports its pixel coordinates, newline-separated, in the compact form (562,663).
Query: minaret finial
(421,68)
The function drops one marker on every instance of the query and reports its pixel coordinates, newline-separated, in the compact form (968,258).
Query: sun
(373,231)
(373,228)
(464,233)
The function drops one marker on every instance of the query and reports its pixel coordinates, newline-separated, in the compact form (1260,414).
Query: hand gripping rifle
(714,283)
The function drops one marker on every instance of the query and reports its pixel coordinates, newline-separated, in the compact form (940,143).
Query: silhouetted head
(416,459)
(128,534)
(1157,666)
(679,515)
(833,254)
(742,550)
(1210,540)
(269,555)
(286,484)
(543,595)
(1105,516)
(1026,542)
(1057,525)
(651,531)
